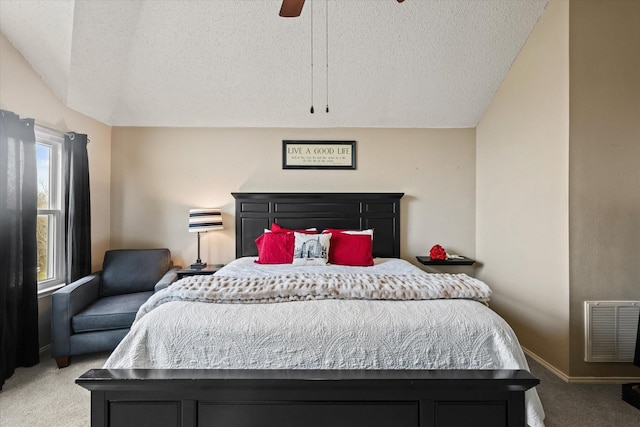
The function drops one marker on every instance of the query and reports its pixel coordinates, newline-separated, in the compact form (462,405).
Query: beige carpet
(582,405)
(44,395)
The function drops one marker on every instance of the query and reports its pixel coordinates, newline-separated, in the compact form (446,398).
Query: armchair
(94,313)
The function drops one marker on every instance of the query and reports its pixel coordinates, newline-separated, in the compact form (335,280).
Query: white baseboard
(558,373)
(604,380)
(585,380)
(45,349)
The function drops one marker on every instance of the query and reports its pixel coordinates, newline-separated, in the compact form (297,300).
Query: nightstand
(209,269)
(425,260)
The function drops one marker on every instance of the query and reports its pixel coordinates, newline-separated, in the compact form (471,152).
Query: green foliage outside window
(42,236)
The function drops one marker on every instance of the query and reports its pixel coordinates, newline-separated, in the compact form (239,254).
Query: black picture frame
(318,154)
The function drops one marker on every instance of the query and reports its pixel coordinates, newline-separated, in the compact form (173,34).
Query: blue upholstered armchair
(95,312)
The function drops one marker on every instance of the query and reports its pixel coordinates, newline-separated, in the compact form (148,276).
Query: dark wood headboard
(255,212)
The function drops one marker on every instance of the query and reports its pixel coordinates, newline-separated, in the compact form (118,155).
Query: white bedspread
(324,334)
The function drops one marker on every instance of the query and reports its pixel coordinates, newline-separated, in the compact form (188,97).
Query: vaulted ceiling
(225,63)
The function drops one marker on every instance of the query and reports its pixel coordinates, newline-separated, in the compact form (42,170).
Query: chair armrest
(66,302)
(168,278)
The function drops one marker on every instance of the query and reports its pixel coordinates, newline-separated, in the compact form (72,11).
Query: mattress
(326,333)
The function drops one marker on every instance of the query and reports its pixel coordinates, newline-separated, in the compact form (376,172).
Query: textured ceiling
(422,63)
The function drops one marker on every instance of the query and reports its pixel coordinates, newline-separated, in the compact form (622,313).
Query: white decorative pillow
(368,232)
(311,249)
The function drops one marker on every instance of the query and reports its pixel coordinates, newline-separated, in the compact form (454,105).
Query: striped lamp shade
(206,219)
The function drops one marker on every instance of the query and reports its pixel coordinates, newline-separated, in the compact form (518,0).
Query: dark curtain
(18,248)
(636,359)
(77,207)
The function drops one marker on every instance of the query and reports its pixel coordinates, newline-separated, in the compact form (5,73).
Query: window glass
(44,271)
(43,155)
(50,226)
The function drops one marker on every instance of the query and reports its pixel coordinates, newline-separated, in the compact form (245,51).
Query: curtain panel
(18,247)
(636,358)
(77,206)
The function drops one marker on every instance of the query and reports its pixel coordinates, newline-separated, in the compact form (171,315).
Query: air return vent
(610,330)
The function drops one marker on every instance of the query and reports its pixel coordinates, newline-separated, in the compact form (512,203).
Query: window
(50,227)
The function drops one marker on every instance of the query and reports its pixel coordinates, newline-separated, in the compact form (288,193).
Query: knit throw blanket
(317,286)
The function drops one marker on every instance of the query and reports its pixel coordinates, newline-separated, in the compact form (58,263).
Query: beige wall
(544,193)
(25,93)
(522,235)
(158,174)
(558,180)
(604,165)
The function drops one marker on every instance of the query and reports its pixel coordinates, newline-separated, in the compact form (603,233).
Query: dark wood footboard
(310,398)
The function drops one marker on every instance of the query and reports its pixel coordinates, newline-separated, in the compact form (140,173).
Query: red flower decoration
(437,252)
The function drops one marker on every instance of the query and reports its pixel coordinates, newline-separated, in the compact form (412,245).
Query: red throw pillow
(275,248)
(351,249)
(278,229)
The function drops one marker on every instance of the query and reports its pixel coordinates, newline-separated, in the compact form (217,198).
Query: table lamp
(201,221)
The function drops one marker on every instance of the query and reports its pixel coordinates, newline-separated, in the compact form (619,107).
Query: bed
(295,358)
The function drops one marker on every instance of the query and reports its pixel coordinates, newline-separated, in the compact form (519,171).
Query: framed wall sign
(318,154)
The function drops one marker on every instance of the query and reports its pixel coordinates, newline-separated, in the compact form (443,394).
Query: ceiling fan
(293,8)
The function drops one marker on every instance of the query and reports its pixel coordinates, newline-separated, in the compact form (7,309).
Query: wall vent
(611,328)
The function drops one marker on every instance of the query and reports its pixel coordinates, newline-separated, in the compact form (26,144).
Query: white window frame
(54,141)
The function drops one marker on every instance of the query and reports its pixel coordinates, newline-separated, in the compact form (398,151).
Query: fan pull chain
(326,30)
(311,56)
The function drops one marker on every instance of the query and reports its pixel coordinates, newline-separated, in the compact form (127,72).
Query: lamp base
(198,265)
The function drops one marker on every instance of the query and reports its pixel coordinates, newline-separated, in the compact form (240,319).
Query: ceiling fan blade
(291,8)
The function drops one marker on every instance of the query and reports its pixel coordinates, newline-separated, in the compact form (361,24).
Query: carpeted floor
(582,405)
(44,395)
